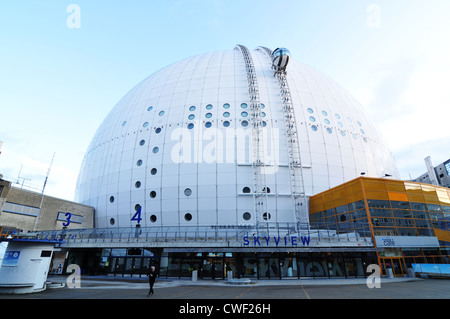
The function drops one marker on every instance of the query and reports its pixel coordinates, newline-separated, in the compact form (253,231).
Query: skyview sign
(270,241)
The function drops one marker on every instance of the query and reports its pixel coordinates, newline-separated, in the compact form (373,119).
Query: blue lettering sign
(294,240)
(305,240)
(277,240)
(68,217)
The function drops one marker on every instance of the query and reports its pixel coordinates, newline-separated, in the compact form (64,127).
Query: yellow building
(409,222)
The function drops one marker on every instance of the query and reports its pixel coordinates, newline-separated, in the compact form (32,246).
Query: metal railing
(185,235)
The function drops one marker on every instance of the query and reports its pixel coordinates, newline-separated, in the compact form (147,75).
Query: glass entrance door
(397,264)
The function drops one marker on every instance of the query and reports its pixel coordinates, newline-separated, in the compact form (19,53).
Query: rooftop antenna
(43,189)
(48,173)
(22,178)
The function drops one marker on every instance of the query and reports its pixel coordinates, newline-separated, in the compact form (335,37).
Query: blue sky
(58,83)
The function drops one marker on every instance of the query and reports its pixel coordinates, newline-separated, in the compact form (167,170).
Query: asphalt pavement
(175,298)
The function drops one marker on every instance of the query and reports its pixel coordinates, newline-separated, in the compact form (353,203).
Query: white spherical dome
(178,147)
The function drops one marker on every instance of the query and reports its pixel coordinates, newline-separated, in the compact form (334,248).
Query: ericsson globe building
(235,137)
(213,163)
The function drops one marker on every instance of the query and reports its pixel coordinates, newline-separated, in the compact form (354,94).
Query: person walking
(151,279)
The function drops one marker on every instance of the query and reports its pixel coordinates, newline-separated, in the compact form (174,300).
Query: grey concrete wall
(47,219)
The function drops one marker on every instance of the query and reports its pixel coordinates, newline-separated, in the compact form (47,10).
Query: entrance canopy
(268,235)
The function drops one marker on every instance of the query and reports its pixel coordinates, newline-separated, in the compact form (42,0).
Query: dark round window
(153,218)
(266,216)
(153,171)
(111,199)
(246,216)
(188,217)
(152,194)
(112,221)
(246,190)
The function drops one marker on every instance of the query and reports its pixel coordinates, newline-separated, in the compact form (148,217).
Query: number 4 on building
(137,215)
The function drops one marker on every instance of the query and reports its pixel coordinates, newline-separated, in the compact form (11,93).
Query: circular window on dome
(157,130)
(329,130)
(365,139)
(314,128)
(226,106)
(153,171)
(310,110)
(192,108)
(226,114)
(244,114)
(264,123)
(266,216)
(124,123)
(153,218)
(244,105)
(191,116)
(340,124)
(263,114)
(244,123)
(152,194)
(324,113)
(337,116)
(362,131)
(359,123)
(208,115)
(111,199)
(188,192)
(349,120)
(155,149)
(343,133)
(137,184)
(262,106)
(145,124)
(161,113)
(246,190)
(209,107)
(208,124)
(190,126)
(112,221)
(142,142)
(312,118)
(355,136)
(139,163)
(226,123)
(150,108)
(136,207)
(188,217)
(327,121)
(246,216)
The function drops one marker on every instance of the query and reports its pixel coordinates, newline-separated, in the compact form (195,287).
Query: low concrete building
(23,210)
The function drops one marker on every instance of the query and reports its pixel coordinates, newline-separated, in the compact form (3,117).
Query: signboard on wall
(406,241)
(11,258)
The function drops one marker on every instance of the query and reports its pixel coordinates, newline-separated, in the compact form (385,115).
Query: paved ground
(112,298)
(107,288)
